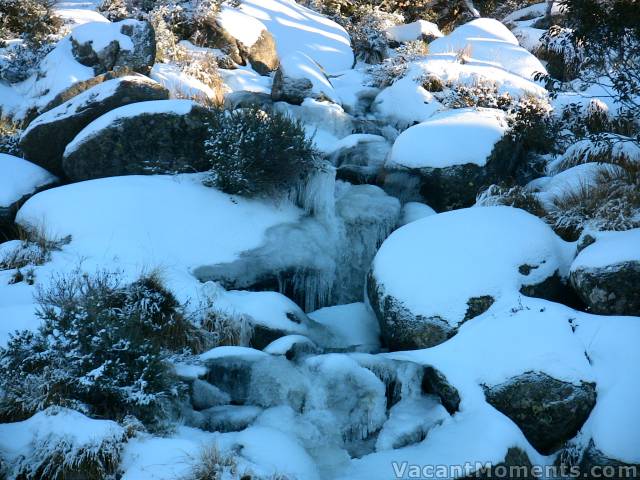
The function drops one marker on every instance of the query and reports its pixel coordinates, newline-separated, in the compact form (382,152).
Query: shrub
(563,56)
(214,465)
(368,32)
(518,197)
(482,94)
(22,59)
(33,20)
(254,152)
(396,66)
(102,349)
(9,136)
(223,329)
(34,248)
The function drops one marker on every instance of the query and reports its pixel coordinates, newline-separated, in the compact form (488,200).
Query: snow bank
(435,265)
(413,211)
(242,27)
(19,178)
(101,34)
(436,143)
(297,28)
(176,107)
(413,31)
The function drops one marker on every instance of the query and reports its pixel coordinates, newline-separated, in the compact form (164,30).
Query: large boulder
(606,274)
(108,46)
(448,173)
(434,274)
(548,411)
(163,136)
(46,138)
(19,180)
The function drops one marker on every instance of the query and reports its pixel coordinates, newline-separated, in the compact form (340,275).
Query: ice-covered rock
(205,395)
(432,275)
(359,157)
(449,173)
(162,136)
(413,211)
(548,411)
(108,46)
(46,137)
(352,326)
(19,179)
(606,274)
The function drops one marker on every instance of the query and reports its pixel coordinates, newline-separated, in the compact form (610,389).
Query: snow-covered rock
(488,42)
(46,137)
(431,276)
(449,172)
(19,179)
(297,28)
(181,85)
(162,136)
(418,30)
(107,46)
(548,411)
(606,274)
(352,326)
(300,77)
(359,157)
(413,211)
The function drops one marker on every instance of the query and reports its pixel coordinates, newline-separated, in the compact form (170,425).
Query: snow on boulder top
(413,31)
(243,27)
(101,34)
(300,65)
(295,27)
(176,107)
(453,137)
(19,178)
(435,265)
(138,222)
(230,351)
(610,248)
(487,41)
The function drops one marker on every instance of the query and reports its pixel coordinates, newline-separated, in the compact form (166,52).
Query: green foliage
(102,349)
(259,153)
(33,20)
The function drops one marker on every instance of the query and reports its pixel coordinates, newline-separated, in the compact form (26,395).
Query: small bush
(254,152)
(517,197)
(367,28)
(9,136)
(102,349)
(34,248)
(224,329)
(32,20)
(214,465)
(482,94)
(563,56)
(22,59)
(396,66)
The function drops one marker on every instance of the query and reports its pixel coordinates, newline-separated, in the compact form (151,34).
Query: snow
(435,265)
(568,181)
(413,211)
(413,31)
(405,103)
(101,34)
(488,42)
(175,107)
(435,143)
(246,79)
(610,248)
(19,178)
(79,16)
(284,344)
(350,325)
(297,28)
(233,352)
(123,223)
(242,27)
(180,84)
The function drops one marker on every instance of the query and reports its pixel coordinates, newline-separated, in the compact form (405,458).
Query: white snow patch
(610,248)
(242,27)
(413,31)
(19,178)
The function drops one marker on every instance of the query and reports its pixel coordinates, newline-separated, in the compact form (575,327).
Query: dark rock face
(204,395)
(593,457)
(400,328)
(548,411)
(147,143)
(290,90)
(516,464)
(140,59)
(434,382)
(263,55)
(611,290)
(45,140)
(232,375)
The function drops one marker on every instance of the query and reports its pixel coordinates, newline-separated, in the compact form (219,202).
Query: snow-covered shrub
(34,248)
(396,66)
(482,94)
(114,10)
(32,20)
(212,464)
(101,349)
(563,56)
(19,61)
(604,148)
(66,444)
(255,152)
(517,196)
(9,137)
(223,329)
(368,32)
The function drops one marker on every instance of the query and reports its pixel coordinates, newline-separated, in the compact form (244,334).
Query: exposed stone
(548,411)
(263,55)
(436,383)
(204,395)
(290,90)
(610,290)
(141,143)
(44,141)
(516,464)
